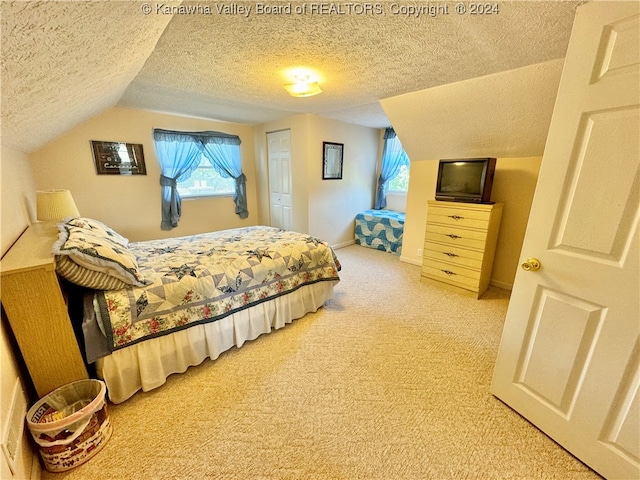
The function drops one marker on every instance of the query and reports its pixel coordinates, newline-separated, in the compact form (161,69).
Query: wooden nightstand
(37,311)
(459,245)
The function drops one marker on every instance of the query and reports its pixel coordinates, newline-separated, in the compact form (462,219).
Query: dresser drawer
(459,217)
(457,237)
(452,274)
(453,255)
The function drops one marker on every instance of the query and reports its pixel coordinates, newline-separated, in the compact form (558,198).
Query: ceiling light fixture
(303,87)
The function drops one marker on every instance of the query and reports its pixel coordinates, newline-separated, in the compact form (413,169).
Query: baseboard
(413,261)
(343,244)
(503,285)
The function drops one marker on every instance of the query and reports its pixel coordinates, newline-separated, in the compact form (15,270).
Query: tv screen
(465,180)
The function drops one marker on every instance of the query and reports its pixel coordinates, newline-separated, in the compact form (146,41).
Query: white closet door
(280,195)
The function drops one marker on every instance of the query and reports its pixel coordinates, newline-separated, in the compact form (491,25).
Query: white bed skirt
(145,366)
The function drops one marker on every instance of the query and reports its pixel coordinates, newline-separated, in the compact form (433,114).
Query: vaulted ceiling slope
(64,62)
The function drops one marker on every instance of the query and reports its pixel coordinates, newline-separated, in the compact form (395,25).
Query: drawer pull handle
(456,217)
(451,235)
(450,255)
(449,272)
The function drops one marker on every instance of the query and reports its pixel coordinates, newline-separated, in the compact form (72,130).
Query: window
(399,183)
(394,171)
(181,153)
(205,181)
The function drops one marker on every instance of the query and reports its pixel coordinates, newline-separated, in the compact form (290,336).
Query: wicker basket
(71,424)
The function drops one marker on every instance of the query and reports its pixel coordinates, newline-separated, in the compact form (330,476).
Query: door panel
(620,432)
(620,46)
(601,228)
(563,328)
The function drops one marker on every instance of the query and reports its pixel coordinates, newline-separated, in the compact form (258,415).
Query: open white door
(569,360)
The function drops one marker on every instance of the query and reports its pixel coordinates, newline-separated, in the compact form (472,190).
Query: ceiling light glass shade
(55,205)
(303,89)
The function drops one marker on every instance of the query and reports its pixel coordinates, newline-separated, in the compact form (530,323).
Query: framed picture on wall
(332,160)
(118,158)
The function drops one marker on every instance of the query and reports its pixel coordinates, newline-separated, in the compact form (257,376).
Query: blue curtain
(179,156)
(393,157)
(223,152)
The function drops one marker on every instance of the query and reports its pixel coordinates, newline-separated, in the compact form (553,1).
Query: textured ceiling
(63,62)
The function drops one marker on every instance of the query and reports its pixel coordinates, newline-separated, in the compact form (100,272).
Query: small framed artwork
(332,160)
(117,158)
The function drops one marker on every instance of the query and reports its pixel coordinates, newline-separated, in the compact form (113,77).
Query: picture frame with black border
(332,160)
(118,158)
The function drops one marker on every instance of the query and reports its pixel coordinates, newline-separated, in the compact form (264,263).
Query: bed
(380,229)
(155,308)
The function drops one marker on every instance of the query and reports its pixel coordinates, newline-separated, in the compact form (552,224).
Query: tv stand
(459,245)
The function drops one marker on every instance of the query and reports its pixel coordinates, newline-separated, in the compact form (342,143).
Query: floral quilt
(203,278)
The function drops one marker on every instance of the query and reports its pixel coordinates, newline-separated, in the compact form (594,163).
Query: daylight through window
(401,181)
(205,181)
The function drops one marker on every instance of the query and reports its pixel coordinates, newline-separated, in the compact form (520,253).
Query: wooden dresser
(37,311)
(459,245)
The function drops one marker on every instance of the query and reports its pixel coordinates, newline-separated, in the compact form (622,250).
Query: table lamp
(55,205)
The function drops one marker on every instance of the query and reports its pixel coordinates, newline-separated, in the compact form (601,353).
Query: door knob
(531,265)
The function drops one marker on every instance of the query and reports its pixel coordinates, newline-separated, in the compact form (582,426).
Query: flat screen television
(465,180)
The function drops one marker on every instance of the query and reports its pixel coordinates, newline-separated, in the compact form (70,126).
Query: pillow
(85,277)
(98,253)
(98,228)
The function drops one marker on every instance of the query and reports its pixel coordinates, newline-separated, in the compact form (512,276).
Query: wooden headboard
(33,300)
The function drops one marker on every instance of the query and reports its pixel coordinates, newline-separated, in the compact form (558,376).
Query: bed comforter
(203,278)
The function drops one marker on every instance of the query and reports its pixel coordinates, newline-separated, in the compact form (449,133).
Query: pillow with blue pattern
(100,252)
(99,228)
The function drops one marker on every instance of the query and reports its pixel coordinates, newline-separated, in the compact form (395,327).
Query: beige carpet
(390,380)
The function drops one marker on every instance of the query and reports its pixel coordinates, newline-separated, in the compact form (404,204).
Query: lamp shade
(55,205)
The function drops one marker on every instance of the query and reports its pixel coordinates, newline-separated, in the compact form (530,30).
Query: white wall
(131,204)
(16,201)
(506,114)
(18,195)
(397,201)
(324,208)
(333,204)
